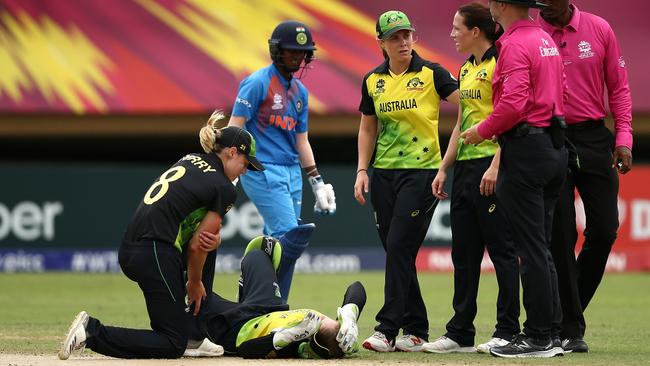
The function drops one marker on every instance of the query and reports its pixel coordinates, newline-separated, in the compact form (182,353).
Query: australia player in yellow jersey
(400,100)
(477,219)
(260,324)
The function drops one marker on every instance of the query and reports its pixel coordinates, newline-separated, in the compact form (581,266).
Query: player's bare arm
(366,145)
(196,259)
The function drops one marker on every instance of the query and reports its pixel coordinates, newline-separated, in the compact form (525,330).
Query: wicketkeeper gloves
(348,332)
(324,196)
(309,325)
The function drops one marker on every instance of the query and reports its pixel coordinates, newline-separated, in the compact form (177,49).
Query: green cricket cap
(391,22)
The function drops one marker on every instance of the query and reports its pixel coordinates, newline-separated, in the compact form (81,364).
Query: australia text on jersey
(470,94)
(397,105)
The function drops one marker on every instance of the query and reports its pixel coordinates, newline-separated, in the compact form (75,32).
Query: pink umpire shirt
(592,60)
(528,82)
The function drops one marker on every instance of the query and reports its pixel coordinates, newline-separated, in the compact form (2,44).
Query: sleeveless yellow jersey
(263,325)
(476,102)
(407,107)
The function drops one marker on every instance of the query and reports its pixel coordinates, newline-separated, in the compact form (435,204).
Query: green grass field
(37,309)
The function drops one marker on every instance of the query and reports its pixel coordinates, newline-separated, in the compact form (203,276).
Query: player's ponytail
(210,134)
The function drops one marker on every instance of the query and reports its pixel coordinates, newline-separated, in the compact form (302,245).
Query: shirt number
(167,177)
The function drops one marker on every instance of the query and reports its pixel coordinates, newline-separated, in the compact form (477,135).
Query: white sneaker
(203,348)
(446,345)
(409,343)
(494,342)
(76,337)
(379,343)
(309,325)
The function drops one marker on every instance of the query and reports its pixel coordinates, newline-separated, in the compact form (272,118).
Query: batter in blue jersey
(272,106)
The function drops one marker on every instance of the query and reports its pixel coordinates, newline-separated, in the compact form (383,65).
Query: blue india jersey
(275,110)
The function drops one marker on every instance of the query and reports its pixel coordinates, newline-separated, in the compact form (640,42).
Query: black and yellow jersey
(177,201)
(476,102)
(407,107)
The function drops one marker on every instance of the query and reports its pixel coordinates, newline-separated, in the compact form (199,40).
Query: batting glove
(324,196)
(348,332)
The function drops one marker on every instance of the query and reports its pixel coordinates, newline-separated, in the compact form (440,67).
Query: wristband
(311,170)
(362,170)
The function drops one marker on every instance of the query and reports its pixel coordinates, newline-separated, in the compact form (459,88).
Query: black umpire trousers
(531,174)
(597,183)
(403,205)
(158,270)
(478,222)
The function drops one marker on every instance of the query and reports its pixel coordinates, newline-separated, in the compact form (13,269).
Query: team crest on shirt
(585,49)
(621,62)
(299,105)
(415,84)
(379,86)
(463,74)
(277,102)
(482,75)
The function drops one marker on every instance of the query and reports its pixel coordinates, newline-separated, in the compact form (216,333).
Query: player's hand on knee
(195,295)
(324,196)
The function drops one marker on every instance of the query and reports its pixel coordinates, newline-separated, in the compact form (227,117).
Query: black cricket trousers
(531,174)
(158,269)
(403,205)
(597,183)
(478,222)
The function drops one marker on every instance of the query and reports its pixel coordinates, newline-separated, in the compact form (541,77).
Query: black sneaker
(522,346)
(577,345)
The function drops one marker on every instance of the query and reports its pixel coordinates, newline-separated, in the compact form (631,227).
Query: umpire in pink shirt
(529,91)
(592,61)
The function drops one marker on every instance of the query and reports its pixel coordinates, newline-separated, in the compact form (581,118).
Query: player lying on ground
(260,325)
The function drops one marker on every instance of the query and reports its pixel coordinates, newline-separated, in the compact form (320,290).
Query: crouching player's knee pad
(268,245)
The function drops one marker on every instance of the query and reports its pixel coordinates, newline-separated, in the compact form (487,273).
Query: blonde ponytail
(210,135)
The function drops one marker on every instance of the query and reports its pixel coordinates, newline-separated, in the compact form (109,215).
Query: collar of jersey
(519,24)
(284,81)
(416,65)
(491,52)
